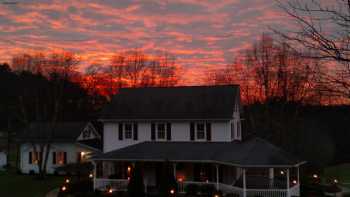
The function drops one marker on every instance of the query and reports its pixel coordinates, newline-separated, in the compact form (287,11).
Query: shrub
(192,189)
(168,181)
(136,187)
(333,189)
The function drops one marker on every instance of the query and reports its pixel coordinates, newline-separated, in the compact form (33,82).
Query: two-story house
(198,130)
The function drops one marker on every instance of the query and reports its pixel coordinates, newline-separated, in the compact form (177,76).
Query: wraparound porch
(244,181)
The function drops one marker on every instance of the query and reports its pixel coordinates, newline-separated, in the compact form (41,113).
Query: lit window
(128,131)
(61,157)
(161,131)
(200,131)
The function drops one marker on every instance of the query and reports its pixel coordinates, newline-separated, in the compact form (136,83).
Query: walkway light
(63,188)
(67,180)
(216,195)
(294,182)
(172,191)
(110,190)
(91,175)
(315,176)
(335,181)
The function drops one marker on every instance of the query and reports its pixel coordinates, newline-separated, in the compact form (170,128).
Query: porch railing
(295,190)
(115,184)
(266,192)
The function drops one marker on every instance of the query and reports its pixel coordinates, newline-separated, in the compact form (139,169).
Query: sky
(201,34)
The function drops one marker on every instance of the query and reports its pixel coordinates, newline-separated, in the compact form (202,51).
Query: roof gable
(191,102)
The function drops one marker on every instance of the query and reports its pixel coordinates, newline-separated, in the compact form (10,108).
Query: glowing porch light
(180,179)
(110,191)
(282,172)
(315,176)
(129,169)
(82,154)
(67,180)
(294,182)
(335,181)
(91,175)
(172,191)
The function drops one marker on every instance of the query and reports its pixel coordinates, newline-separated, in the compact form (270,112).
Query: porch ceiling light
(82,153)
(282,172)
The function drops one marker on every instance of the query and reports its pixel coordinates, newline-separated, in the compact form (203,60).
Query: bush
(192,189)
(136,187)
(333,189)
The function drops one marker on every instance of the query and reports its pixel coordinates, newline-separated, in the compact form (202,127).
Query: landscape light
(216,195)
(315,176)
(294,181)
(67,181)
(110,191)
(335,181)
(172,191)
(91,175)
(63,188)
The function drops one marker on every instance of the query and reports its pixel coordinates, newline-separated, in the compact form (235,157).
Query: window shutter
(192,131)
(120,131)
(53,157)
(208,130)
(30,157)
(65,157)
(135,131)
(168,131)
(153,131)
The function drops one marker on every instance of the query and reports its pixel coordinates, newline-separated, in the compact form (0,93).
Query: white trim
(203,161)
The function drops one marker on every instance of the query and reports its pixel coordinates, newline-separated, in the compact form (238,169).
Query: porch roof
(251,153)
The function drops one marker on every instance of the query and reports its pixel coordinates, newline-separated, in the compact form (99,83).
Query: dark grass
(16,185)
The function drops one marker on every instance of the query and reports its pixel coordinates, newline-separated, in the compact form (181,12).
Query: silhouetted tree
(136,187)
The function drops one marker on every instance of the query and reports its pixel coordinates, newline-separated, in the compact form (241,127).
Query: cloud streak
(201,34)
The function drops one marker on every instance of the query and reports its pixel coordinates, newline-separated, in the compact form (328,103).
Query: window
(61,157)
(34,157)
(161,131)
(200,131)
(86,134)
(128,131)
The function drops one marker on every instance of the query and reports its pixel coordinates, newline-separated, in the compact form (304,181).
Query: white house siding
(180,131)
(72,156)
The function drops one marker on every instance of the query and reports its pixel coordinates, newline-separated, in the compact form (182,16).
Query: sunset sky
(201,34)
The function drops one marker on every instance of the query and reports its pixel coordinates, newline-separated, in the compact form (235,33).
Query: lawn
(339,172)
(14,185)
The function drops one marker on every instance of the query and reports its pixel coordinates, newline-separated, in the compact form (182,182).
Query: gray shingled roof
(251,153)
(60,132)
(191,102)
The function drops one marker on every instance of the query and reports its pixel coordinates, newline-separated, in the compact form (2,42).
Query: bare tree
(323,29)
(41,102)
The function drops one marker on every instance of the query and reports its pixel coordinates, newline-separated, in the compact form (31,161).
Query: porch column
(287,177)
(217,176)
(271,176)
(94,174)
(298,176)
(244,183)
(174,170)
